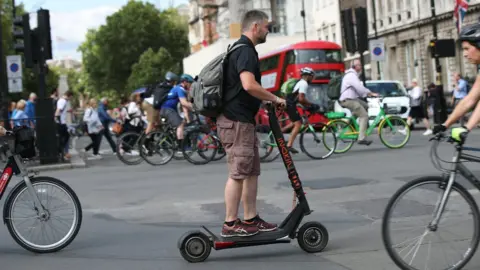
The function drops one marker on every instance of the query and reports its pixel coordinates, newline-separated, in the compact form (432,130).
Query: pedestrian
(95,128)
(106,119)
(61,120)
(236,128)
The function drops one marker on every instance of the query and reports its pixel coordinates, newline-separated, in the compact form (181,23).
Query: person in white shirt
(298,95)
(351,97)
(61,120)
(416,108)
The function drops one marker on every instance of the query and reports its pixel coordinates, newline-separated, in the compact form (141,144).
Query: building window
(399,17)
(333,31)
(409,14)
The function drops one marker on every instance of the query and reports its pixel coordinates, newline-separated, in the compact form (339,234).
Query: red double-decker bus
(280,65)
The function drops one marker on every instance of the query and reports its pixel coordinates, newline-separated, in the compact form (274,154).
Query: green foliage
(149,66)
(137,44)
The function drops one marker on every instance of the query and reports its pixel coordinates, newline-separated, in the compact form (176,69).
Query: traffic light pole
(3,81)
(440,106)
(376,36)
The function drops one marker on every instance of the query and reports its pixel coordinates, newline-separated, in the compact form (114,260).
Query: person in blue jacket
(106,119)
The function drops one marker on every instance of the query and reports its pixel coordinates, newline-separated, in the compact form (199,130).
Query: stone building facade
(407,30)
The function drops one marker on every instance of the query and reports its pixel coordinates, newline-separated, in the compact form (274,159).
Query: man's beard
(261,39)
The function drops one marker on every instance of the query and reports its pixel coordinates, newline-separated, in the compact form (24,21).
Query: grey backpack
(207,92)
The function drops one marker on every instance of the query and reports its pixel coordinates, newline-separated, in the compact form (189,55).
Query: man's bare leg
(233,193)
(296,129)
(249,197)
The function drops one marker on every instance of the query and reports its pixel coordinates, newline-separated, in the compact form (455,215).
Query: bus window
(318,56)
(269,63)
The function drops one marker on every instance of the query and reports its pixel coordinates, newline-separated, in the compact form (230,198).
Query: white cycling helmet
(307,71)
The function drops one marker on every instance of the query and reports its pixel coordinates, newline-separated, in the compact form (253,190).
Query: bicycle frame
(353,135)
(15,166)
(457,167)
(306,125)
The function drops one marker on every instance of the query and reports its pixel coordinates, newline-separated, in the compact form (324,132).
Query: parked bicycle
(38,195)
(347,131)
(426,201)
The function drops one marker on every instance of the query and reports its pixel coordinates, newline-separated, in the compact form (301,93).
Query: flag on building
(459,12)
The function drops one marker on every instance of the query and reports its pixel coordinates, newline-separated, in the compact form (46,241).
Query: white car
(396,99)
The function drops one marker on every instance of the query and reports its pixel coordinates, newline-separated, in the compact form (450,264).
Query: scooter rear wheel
(195,247)
(312,237)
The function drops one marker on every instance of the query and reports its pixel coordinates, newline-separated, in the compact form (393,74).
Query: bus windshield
(317,93)
(318,56)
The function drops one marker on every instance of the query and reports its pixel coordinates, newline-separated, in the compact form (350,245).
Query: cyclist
(153,114)
(470,41)
(297,95)
(169,107)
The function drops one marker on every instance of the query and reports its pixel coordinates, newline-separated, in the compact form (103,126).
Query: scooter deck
(261,238)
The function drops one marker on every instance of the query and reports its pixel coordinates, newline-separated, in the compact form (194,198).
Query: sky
(70,19)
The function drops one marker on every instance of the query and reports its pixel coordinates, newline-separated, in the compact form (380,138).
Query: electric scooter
(312,237)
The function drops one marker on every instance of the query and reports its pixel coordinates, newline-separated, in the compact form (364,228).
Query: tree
(150,68)
(109,53)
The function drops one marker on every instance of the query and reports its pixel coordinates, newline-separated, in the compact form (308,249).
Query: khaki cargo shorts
(153,116)
(241,145)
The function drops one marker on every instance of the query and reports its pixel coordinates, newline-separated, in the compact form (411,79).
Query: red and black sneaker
(262,225)
(239,229)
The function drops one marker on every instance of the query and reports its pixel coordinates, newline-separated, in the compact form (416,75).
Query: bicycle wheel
(266,141)
(220,151)
(158,142)
(342,129)
(128,148)
(396,126)
(421,207)
(326,140)
(199,142)
(41,185)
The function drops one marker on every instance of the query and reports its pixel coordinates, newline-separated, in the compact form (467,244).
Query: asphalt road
(134,215)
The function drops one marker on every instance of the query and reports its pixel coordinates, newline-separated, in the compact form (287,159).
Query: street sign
(14,66)
(377,49)
(15,85)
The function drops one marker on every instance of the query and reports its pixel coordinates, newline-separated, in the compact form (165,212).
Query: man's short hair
(252,16)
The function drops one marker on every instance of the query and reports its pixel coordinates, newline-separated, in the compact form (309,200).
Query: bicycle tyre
(205,159)
(349,142)
(170,141)
(325,130)
(221,153)
(269,149)
(119,143)
(35,181)
(405,125)
(433,179)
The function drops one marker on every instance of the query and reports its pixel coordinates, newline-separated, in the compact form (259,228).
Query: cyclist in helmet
(153,114)
(470,40)
(169,107)
(171,78)
(298,95)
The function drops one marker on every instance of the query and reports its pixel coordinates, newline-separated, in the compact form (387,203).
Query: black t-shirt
(243,107)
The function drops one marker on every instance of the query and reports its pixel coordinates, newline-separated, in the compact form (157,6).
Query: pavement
(134,215)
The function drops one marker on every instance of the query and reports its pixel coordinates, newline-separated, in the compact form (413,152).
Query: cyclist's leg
(359,109)
(152,116)
(174,120)
(295,118)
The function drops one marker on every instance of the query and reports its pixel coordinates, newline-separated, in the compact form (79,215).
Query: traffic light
(362,29)
(349,31)
(21,31)
(442,48)
(44,36)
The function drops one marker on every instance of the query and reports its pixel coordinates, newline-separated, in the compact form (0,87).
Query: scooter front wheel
(195,247)
(312,237)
